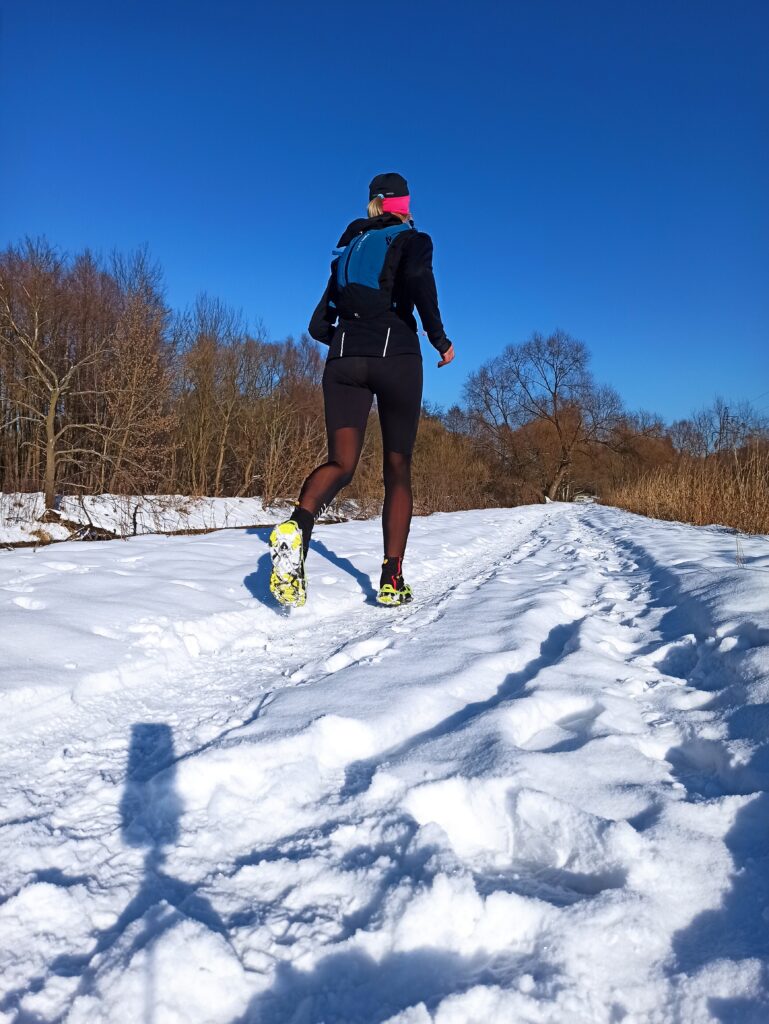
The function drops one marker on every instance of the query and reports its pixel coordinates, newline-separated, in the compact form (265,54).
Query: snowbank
(131,515)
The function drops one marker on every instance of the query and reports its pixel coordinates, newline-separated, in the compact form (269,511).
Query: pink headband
(396,204)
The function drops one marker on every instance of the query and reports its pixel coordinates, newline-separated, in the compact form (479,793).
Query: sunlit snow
(538,794)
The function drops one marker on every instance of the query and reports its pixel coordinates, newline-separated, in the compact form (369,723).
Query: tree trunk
(552,490)
(220,460)
(50,452)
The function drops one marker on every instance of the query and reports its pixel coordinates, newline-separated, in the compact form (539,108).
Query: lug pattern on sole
(287,580)
(389,596)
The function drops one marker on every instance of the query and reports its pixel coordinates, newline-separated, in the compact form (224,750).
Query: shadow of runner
(150,813)
(362,578)
(359,774)
(150,817)
(257,583)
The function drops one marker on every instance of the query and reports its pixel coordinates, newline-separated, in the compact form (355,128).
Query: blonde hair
(375,209)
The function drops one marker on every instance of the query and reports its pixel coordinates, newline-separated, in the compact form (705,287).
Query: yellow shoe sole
(389,596)
(287,582)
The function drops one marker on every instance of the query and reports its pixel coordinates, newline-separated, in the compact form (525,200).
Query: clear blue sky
(602,167)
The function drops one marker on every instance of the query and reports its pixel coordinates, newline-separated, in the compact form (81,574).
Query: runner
(381,270)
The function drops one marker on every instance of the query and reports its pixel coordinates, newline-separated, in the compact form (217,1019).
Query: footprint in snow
(354,653)
(613,645)
(364,650)
(544,721)
(109,634)
(30,603)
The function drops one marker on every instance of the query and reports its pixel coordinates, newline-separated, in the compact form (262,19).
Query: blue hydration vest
(365,271)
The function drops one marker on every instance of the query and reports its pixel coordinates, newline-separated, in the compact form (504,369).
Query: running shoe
(288,582)
(393,590)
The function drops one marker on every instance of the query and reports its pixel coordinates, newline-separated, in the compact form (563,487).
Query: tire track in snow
(709,644)
(581,862)
(558,880)
(688,647)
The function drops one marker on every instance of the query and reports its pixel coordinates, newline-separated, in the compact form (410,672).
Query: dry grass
(730,489)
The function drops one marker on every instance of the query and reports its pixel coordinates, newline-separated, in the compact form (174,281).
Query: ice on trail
(538,794)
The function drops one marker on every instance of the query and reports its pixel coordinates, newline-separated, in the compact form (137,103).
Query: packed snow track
(536,795)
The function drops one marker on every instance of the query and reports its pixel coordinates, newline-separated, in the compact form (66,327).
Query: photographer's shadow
(150,813)
(150,816)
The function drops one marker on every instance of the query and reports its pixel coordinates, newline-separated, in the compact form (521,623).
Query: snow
(538,794)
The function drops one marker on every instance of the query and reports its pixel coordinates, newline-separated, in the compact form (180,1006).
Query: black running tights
(349,386)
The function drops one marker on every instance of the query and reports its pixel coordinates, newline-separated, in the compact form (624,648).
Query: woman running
(382,268)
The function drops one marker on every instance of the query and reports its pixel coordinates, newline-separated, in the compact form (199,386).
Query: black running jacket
(394,332)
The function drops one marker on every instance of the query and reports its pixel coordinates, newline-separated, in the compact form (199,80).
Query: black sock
(392,569)
(305,521)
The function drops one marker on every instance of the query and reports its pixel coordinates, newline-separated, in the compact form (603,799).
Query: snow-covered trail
(538,794)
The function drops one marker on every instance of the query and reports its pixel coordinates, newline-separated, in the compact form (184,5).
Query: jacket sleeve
(323,319)
(417,267)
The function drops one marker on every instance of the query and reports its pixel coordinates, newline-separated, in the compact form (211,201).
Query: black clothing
(365,272)
(349,386)
(374,351)
(392,571)
(393,589)
(305,521)
(388,185)
(393,332)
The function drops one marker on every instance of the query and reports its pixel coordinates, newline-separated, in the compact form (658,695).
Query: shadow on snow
(257,583)
(150,813)
(353,988)
(737,929)
(554,647)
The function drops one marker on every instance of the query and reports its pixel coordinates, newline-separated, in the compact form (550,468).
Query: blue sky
(595,166)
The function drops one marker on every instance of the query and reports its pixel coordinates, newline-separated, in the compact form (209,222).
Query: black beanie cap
(388,186)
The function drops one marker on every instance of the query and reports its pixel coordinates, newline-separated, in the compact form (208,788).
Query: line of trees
(539,416)
(104,389)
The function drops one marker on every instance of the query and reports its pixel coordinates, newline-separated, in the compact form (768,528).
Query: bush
(729,488)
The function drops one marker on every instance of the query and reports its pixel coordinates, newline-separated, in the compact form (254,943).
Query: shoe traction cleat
(392,588)
(288,583)
(390,595)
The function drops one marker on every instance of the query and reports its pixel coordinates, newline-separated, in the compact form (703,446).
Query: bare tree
(718,428)
(54,351)
(544,381)
(138,419)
